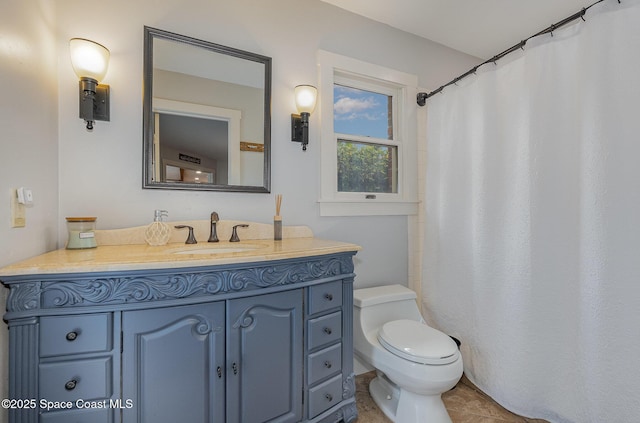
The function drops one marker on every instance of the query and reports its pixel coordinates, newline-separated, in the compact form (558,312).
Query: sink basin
(218,250)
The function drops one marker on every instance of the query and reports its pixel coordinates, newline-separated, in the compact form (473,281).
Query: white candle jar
(81,233)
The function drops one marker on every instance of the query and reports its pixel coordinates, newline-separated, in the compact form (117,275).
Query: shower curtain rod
(422,97)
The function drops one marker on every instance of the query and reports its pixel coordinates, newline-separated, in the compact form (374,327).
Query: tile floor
(465,404)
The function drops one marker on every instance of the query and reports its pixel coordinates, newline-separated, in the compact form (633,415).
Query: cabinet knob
(329,397)
(327,364)
(234,366)
(71,336)
(327,331)
(219,369)
(71,385)
(328,297)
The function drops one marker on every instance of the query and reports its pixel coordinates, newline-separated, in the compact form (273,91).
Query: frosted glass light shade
(306,98)
(89,59)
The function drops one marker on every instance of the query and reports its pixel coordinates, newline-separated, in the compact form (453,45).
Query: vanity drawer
(103,415)
(77,379)
(324,330)
(61,335)
(325,296)
(324,363)
(325,396)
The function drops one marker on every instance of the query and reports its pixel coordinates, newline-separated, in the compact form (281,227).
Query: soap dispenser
(158,232)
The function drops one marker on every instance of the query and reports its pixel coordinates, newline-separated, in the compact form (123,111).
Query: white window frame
(334,68)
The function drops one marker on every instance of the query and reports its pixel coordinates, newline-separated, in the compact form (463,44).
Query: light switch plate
(18,212)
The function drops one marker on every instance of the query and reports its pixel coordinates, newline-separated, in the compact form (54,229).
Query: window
(368,157)
(364,128)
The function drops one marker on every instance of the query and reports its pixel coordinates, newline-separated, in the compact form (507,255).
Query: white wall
(28,138)
(101,171)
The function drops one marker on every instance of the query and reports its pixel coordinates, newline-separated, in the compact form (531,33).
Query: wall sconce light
(90,61)
(305,103)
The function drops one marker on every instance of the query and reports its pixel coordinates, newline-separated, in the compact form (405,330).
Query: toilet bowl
(414,362)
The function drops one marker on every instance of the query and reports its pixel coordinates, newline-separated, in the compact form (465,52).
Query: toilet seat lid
(417,342)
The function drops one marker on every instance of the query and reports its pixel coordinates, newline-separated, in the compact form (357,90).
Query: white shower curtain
(532,228)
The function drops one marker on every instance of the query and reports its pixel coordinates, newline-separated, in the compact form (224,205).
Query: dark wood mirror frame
(149,180)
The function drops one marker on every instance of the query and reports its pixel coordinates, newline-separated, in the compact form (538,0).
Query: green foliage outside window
(365,167)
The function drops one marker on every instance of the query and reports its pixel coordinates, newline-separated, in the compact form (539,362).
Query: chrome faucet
(213,235)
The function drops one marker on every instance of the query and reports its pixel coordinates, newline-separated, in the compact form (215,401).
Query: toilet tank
(376,306)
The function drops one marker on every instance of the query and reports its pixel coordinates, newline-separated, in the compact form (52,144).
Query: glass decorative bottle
(158,232)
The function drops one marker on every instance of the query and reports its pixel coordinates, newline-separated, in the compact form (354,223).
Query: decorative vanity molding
(81,291)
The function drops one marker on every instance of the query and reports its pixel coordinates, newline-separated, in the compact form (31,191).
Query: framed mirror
(207,115)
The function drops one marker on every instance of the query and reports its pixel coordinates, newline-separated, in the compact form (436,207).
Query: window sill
(367,208)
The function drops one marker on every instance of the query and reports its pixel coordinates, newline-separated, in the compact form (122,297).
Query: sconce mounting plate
(296,128)
(300,129)
(101,109)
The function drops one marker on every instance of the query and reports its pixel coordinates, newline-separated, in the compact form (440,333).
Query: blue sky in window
(359,112)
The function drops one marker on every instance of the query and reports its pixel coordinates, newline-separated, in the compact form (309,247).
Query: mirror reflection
(207,115)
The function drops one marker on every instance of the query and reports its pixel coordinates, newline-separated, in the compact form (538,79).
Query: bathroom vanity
(254,331)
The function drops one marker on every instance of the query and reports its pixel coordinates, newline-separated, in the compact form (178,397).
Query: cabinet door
(264,358)
(173,364)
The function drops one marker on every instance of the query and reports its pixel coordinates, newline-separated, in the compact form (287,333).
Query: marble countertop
(106,258)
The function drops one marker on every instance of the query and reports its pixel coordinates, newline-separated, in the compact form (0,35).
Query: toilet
(414,362)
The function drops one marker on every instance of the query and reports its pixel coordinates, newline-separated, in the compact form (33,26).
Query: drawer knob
(71,385)
(327,364)
(328,297)
(71,336)
(329,397)
(327,331)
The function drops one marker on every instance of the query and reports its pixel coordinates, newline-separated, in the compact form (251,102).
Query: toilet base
(402,406)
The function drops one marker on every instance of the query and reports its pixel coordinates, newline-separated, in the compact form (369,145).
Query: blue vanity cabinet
(328,352)
(175,366)
(170,363)
(257,342)
(264,358)
(78,367)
